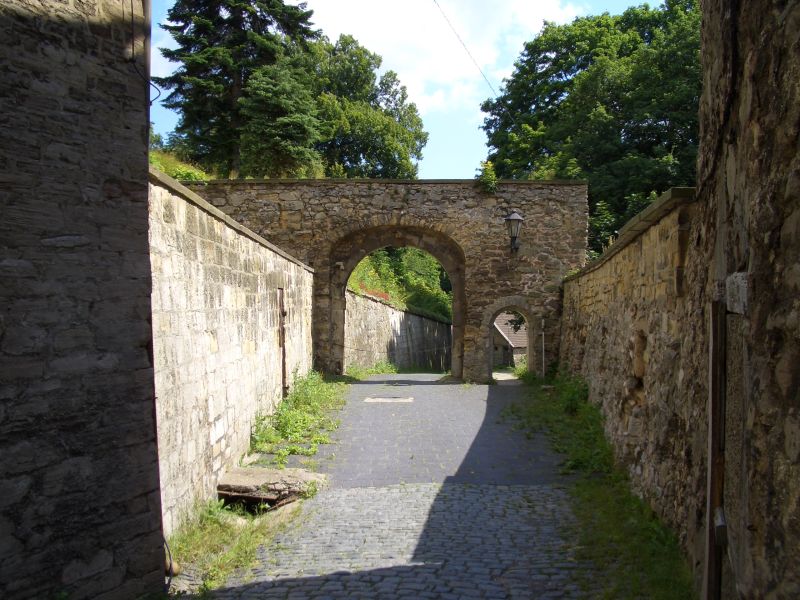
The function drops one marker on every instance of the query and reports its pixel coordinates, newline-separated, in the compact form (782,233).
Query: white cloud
(160,66)
(415,40)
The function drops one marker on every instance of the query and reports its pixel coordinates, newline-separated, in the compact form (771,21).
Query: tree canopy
(261,93)
(221,43)
(369,128)
(611,99)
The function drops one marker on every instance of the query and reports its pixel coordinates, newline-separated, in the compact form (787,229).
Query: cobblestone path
(435,498)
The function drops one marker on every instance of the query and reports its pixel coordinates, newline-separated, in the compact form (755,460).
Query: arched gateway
(333,224)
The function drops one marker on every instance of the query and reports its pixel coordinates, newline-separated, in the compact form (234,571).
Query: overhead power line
(475,62)
(472,58)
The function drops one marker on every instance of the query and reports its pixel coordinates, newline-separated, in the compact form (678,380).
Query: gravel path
(432,495)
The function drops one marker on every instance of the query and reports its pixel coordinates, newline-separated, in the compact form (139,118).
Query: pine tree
(221,44)
(280,125)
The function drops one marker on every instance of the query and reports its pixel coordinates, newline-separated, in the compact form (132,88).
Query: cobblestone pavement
(434,498)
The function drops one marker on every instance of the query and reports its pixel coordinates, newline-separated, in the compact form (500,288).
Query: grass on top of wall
(171,165)
(302,421)
(618,533)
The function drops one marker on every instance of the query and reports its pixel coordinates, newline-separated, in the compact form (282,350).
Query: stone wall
(633,326)
(331,225)
(749,182)
(80,513)
(216,338)
(378,332)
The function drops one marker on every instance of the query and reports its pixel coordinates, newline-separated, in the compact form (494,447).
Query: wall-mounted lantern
(514,224)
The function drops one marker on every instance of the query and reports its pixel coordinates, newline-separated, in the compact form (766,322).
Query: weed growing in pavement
(219,539)
(311,464)
(310,490)
(618,533)
(302,420)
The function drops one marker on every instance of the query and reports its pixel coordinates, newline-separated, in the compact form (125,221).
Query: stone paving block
(388,528)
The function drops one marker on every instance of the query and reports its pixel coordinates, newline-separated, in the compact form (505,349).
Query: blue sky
(415,41)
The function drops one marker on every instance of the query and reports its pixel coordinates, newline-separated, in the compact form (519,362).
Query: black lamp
(514,223)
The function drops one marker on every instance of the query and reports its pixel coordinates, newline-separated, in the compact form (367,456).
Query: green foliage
(219,539)
(517,320)
(221,44)
(487,178)
(302,420)
(280,125)
(406,278)
(622,537)
(613,99)
(368,126)
(618,533)
(575,427)
(262,95)
(381,367)
(521,368)
(170,165)
(156,139)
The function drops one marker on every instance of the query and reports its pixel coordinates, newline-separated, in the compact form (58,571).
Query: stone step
(264,485)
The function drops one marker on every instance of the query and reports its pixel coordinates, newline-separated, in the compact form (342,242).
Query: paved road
(432,495)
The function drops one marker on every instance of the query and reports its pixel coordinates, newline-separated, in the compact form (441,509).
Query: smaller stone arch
(516,303)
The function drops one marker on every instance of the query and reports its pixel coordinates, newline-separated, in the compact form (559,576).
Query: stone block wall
(332,224)
(216,338)
(375,331)
(80,513)
(633,326)
(749,183)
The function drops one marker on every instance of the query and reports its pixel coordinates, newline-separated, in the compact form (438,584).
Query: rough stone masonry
(331,225)
(80,512)
(220,356)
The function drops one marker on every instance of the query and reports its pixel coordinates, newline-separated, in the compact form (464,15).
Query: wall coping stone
(636,226)
(157,177)
(526,182)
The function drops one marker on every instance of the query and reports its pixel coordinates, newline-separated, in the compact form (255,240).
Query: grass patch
(382,367)
(220,539)
(302,420)
(618,532)
(174,167)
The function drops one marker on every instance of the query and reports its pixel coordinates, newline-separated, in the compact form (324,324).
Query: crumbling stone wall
(216,338)
(744,255)
(749,181)
(80,509)
(633,326)
(377,332)
(331,225)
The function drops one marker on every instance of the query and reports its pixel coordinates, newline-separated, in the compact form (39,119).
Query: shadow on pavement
(490,528)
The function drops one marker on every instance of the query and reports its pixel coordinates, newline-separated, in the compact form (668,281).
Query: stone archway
(352,248)
(516,303)
(331,224)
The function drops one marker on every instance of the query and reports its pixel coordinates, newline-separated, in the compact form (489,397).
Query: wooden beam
(712,575)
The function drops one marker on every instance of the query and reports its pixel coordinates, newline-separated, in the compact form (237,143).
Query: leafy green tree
(368,126)
(613,99)
(221,44)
